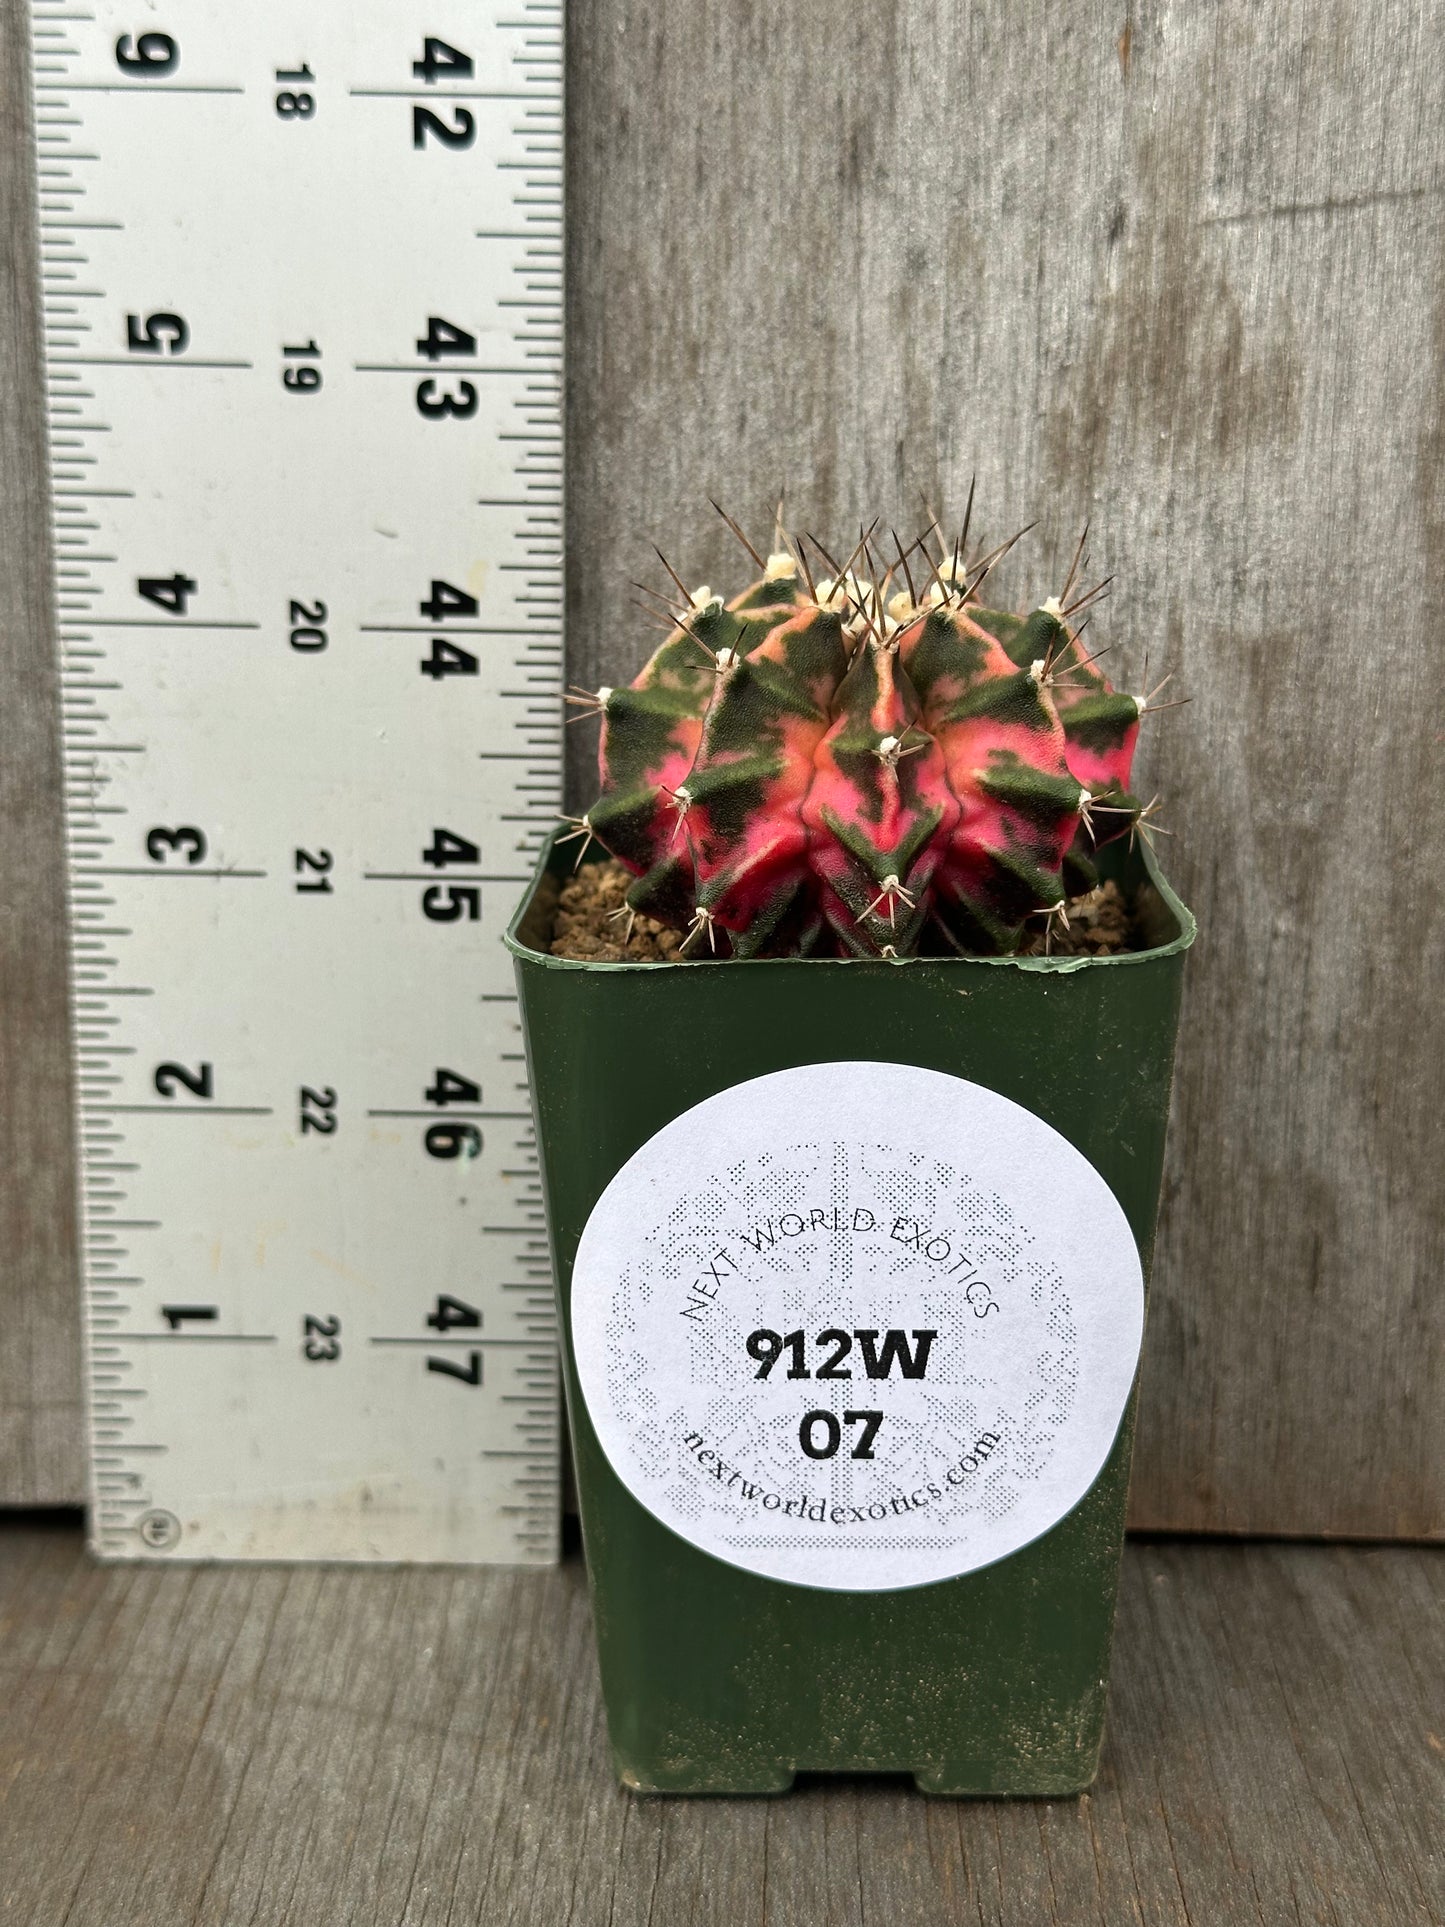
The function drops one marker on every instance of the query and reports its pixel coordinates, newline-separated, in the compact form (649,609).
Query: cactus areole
(836,766)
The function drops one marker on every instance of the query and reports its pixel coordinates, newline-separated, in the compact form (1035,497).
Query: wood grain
(41,1450)
(392,1748)
(1180,269)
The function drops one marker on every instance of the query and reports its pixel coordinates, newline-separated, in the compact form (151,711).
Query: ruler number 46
(452,1138)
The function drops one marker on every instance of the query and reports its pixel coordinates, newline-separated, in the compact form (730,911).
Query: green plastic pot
(717,1680)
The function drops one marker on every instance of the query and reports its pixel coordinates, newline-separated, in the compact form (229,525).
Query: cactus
(865,763)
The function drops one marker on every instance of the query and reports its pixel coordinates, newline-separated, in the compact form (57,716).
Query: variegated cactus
(864,763)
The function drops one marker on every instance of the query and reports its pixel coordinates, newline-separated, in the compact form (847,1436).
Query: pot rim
(1187,929)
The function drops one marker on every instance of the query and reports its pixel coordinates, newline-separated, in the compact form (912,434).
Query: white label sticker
(857,1326)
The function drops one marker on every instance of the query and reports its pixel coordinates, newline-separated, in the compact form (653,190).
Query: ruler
(303,317)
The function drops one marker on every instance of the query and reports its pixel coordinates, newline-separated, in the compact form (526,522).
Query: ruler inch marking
(308,1217)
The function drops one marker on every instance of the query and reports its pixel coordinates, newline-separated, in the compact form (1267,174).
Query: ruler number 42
(441,61)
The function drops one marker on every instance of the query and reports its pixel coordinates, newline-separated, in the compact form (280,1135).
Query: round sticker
(857,1326)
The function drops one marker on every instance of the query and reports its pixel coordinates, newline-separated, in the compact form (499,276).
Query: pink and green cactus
(863,763)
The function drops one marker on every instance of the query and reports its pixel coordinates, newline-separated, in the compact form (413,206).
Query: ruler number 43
(433,401)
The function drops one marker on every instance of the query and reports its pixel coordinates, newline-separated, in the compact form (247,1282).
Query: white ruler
(302,291)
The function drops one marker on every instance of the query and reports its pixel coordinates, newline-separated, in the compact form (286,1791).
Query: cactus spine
(863,763)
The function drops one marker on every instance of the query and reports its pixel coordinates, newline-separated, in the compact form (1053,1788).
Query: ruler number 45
(451,902)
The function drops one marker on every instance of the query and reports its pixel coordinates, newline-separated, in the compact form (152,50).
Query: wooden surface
(1178,268)
(397,1749)
(41,1457)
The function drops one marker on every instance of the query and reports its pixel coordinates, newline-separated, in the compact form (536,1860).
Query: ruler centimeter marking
(302,285)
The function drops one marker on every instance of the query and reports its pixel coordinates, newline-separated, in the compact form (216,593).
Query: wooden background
(1181,270)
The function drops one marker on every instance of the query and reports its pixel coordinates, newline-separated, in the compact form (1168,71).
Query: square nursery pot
(851,1262)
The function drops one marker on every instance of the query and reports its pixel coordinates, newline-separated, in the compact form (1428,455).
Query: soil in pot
(594,925)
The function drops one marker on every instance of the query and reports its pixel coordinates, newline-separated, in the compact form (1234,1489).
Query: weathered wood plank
(40,1421)
(1189,280)
(386,1748)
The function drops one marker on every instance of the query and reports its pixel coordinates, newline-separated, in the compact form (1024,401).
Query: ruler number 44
(448,658)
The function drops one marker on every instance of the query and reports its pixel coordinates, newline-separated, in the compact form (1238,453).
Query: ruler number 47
(455,1314)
